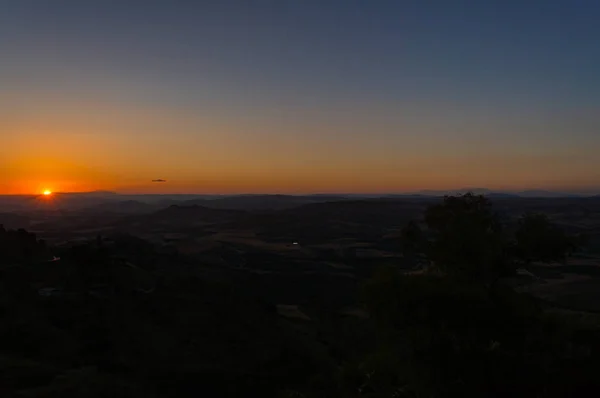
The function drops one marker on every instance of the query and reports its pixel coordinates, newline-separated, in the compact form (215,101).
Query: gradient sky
(299,95)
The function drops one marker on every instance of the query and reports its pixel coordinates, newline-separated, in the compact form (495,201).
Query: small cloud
(159,180)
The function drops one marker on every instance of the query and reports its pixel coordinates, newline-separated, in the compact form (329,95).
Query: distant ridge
(262,202)
(532,193)
(538,193)
(125,206)
(176,213)
(502,195)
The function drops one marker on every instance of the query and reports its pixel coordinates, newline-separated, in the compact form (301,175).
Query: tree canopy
(467,238)
(537,239)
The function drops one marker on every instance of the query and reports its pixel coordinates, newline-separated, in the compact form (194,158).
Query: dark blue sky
(451,85)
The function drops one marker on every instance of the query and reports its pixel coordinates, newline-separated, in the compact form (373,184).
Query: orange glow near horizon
(123,148)
(240,100)
(291,181)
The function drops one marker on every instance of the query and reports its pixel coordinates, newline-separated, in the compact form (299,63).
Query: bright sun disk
(47,192)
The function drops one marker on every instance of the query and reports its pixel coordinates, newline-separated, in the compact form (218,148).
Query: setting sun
(47,193)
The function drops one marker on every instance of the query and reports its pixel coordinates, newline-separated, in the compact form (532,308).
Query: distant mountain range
(533,193)
(113,202)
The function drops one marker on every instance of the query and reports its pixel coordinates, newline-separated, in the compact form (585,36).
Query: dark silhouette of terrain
(255,202)
(388,297)
(262,202)
(123,207)
(190,215)
(14,221)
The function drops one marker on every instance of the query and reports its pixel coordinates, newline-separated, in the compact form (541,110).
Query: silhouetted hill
(431,192)
(192,215)
(71,201)
(369,210)
(502,195)
(13,221)
(538,193)
(17,202)
(320,222)
(261,202)
(123,207)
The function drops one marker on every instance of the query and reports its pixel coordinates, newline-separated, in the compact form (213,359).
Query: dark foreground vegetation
(121,317)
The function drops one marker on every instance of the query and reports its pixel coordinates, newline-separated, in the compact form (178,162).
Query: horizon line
(423,192)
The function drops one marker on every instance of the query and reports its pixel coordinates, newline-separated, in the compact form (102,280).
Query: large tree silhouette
(537,239)
(467,238)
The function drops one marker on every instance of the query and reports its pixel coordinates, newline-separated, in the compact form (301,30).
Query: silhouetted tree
(20,247)
(412,241)
(468,240)
(439,336)
(537,239)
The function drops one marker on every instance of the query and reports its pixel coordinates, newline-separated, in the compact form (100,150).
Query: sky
(299,96)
